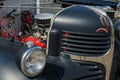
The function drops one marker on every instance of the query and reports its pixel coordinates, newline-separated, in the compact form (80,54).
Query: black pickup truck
(81,45)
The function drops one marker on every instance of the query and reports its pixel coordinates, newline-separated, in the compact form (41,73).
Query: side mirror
(117,29)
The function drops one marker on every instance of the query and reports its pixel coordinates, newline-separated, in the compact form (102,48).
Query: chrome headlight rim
(26,55)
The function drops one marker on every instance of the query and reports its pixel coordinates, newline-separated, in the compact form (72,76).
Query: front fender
(57,68)
(9,68)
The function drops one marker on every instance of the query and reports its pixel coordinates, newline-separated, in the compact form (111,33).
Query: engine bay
(32,27)
(23,23)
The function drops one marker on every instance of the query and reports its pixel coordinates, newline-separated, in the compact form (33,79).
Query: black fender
(9,68)
(57,68)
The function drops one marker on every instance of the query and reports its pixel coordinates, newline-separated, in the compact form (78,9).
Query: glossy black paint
(9,69)
(10,66)
(81,24)
(66,3)
(67,69)
(117,38)
(76,19)
(57,68)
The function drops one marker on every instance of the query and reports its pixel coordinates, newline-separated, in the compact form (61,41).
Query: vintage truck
(81,45)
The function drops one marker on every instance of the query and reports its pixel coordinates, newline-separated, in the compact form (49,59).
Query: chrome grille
(85,44)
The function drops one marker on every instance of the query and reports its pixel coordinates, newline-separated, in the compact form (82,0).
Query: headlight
(33,61)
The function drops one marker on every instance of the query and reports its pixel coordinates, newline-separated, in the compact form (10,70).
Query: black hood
(92,2)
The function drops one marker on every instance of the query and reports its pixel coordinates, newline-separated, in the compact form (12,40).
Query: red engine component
(36,41)
(28,19)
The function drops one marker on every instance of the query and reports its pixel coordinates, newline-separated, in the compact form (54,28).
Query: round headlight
(33,61)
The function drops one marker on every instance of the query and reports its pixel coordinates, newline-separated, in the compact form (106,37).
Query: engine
(33,28)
